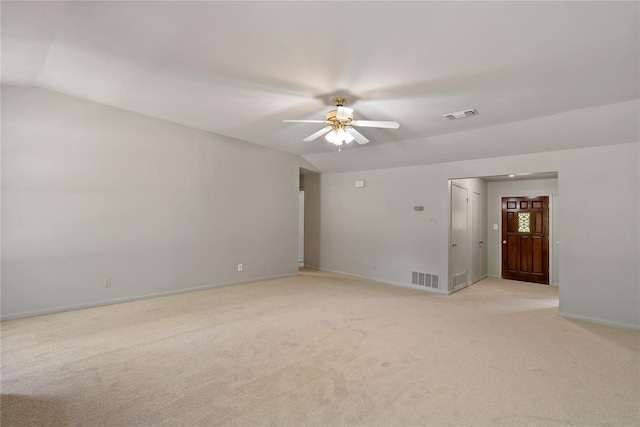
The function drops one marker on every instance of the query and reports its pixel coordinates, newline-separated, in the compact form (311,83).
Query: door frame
(476,210)
(551,245)
(450,287)
(301,227)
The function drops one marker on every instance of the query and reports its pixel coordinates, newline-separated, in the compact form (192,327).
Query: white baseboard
(373,279)
(53,310)
(599,321)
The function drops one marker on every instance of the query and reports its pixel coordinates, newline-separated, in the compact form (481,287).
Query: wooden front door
(525,239)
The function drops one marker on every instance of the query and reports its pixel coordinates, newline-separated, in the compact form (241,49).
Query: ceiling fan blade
(343,113)
(318,134)
(360,138)
(304,121)
(376,124)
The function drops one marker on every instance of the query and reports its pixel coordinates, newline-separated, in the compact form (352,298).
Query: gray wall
(534,187)
(374,231)
(90,192)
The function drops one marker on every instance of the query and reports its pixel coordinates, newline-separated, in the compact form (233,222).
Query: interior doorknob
(455,244)
(504,242)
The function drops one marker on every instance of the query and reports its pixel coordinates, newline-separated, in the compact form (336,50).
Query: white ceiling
(543,75)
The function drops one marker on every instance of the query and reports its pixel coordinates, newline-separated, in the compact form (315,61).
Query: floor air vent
(424,279)
(459,279)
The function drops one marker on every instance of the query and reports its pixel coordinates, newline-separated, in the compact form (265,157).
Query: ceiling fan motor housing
(340,118)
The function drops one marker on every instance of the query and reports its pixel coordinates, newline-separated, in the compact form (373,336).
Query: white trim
(53,310)
(599,321)
(403,285)
(449,274)
(301,227)
(450,287)
(472,229)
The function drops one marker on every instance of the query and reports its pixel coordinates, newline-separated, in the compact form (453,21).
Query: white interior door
(301,229)
(459,238)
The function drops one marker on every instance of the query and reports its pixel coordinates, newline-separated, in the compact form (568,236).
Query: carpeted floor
(321,349)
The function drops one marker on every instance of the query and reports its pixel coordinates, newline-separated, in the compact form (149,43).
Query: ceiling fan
(340,129)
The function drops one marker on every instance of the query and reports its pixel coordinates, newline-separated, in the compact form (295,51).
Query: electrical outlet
(239,267)
(107,282)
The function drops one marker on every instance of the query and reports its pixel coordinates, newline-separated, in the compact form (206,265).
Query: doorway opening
(309,219)
(459,237)
(525,239)
(467,254)
(301,228)
(483,203)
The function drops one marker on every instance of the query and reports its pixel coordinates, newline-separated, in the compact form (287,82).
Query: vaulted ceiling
(542,75)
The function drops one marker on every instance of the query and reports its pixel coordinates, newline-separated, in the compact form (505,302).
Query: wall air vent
(461,114)
(424,279)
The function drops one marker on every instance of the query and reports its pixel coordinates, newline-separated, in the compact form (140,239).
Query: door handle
(504,242)
(481,242)
(455,244)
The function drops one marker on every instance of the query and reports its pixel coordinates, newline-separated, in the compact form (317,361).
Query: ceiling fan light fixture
(339,137)
(331,136)
(348,137)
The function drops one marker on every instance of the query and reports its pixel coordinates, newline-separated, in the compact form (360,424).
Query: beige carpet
(321,349)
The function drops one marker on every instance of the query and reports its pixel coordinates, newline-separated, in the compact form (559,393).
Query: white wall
(376,226)
(533,187)
(90,192)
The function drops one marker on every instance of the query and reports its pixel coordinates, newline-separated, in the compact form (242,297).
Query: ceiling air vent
(461,114)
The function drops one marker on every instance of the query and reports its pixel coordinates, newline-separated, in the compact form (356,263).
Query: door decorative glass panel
(524,222)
